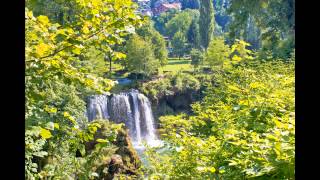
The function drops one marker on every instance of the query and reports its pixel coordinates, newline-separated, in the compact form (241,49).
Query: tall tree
(162,19)
(217,53)
(178,43)
(148,33)
(160,49)
(180,22)
(193,34)
(140,56)
(206,22)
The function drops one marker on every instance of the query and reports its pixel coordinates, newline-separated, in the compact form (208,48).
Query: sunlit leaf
(46,134)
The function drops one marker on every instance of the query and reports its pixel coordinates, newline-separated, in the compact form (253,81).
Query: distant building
(165,7)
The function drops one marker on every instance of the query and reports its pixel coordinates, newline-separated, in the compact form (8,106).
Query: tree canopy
(206,22)
(141,58)
(276,20)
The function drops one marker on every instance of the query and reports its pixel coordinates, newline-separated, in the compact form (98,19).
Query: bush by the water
(169,85)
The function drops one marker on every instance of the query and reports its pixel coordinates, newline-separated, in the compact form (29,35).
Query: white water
(148,115)
(131,108)
(137,117)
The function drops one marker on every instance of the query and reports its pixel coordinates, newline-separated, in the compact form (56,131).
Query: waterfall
(148,115)
(96,108)
(131,108)
(136,116)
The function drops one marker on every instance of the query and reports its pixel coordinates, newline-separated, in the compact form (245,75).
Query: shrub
(196,58)
(218,52)
(184,82)
(243,128)
(171,84)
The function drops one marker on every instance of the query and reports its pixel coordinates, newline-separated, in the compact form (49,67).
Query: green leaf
(119,55)
(69,117)
(101,140)
(234,88)
(34,170)
(222,171)
(96,125)
(46,134)
(211,169)
(232,163)
(56,125)
(60,37)
(76,51)
(130,29)
(82,150)
(43,19)
(35,165)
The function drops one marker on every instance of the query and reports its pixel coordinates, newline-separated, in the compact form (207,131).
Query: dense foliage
(148,33)
(169,85)
(184,24)
(178,43)
(141,58)
(274,19)
(243,128)
(217,53)
(193,34)
(181,22)
(57,82)
(196,58)
(162,19)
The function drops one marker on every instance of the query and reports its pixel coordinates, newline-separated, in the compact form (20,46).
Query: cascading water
(131,108)
(148,116)
(136,116)
(96,106)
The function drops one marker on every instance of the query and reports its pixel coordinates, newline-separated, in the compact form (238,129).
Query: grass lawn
(174,65)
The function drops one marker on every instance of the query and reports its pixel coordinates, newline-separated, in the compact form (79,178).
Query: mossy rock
(123,162)
(126,150)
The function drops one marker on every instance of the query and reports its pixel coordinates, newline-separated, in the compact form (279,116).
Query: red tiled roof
(172,6)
